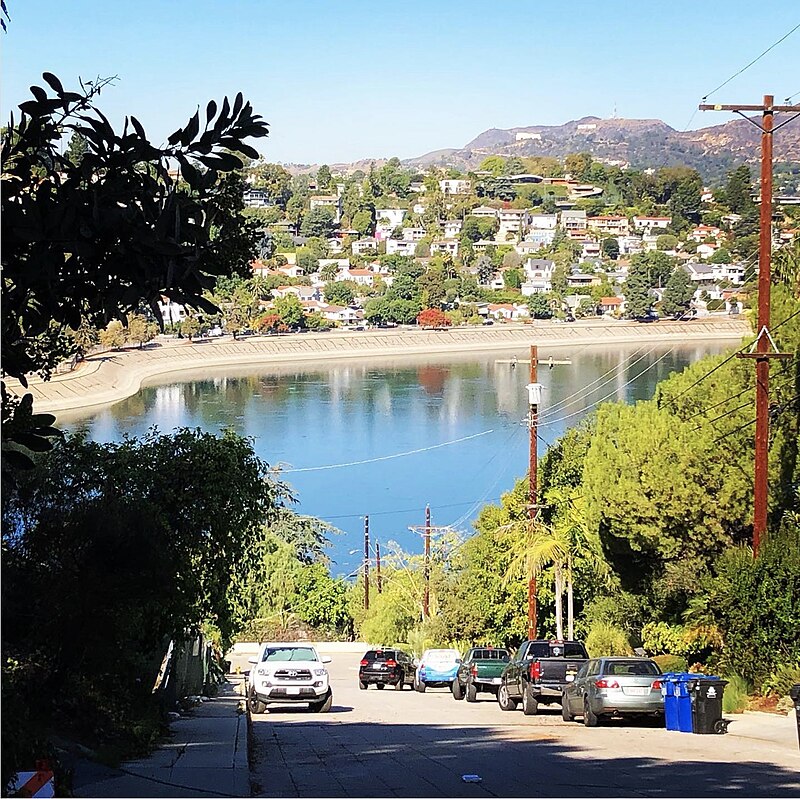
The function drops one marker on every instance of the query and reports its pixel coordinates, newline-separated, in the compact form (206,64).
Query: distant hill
(641,143)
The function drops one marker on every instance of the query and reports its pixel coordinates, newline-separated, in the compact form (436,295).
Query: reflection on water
(323,415)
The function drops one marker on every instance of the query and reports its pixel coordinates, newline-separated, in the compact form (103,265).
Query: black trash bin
(794,692)
(706,693)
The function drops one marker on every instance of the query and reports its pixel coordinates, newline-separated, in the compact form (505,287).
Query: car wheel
(565,714)
(472,692)
(362,686)
(530,705)
(457,690)
(380,686)
(325,705)
(398,686)
(590,718)
(504,700)
(254,704)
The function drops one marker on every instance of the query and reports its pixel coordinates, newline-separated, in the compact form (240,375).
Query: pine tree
(637,292)
(77,148)
(678,293)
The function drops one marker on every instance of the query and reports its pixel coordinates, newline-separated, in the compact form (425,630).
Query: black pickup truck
(538,673)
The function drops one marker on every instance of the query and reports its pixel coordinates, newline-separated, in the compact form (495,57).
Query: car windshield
(380,654)
(640,668)
(441,655)
(285,653)
(490,654)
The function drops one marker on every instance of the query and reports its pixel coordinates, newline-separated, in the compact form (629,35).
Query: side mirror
(252,660)
(326,659)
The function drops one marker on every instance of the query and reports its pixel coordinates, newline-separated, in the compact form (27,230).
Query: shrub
(737,693)
(781,680)
(606,639)
(670,663)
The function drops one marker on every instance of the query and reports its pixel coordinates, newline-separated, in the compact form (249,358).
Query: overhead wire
(750,64)
(778,409)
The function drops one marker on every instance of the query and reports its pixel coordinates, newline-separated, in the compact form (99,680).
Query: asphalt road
(401,743)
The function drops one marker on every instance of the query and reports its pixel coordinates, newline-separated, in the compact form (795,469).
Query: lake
(385,438)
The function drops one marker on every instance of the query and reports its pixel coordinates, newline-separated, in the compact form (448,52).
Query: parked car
(380,667)
(289,672)
(479,672)
(616,686)
(538,673)
(437,667)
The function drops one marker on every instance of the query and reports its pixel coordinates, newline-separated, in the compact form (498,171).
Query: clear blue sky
(340,80)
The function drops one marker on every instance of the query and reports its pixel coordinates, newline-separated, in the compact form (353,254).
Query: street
(393,743)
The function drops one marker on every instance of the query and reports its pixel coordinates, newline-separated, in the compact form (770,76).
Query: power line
(401,510)
(778,409)
(757,58)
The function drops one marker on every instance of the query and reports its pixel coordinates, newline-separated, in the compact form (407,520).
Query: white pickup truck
(289,673)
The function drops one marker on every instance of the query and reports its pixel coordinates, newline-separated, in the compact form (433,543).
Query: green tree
(77,148)
(324,177)
(666,241)
(362,222)
(140,329)
(113,336)
(721,256)
(539,306)
(678,293)
(610,248)
(738,193)
(290,311)
(339,293)
(513,278)
(190,327)
(275,180)
(318,222)
(85,337)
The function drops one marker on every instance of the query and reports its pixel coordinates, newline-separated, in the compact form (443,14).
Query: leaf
(39,93)
(191,130)
(237,104)
(53,82)
(17,459)
(174,138)
(188,171)
(32,441)
(211,110)
(137,126)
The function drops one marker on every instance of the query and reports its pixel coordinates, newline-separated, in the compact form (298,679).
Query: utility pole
(534,399)
(378,565)
(366,563)
(764,348)
(426,597)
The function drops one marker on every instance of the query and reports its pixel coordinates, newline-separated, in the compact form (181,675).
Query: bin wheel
(721,726)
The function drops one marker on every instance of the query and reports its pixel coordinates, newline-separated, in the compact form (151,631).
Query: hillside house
(513,223)
(365,246)
(455,186)
(387,219)
(405,247)
(609,225)
(538,276)
(704,233)
(452,228)
(331,201)
(572,221)
(484,211)
(414,233)
(448,246)
(648,223)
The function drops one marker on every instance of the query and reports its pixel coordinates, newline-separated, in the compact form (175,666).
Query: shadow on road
(363,759)
(293,710)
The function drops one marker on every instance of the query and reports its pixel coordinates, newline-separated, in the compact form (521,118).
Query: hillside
(641,143)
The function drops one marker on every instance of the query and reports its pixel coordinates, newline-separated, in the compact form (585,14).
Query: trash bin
(794,692)
(677,701)
(706,704)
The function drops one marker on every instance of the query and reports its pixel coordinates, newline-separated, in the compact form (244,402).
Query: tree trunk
(570,604)
(559,603)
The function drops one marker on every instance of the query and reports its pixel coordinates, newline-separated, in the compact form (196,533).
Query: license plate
(636,691)
(496,681)
(293,690)
(570,677)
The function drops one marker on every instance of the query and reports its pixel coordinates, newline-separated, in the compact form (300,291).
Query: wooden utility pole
(366,563)
(533,427)
(426,597)
(378,566)
(764,348)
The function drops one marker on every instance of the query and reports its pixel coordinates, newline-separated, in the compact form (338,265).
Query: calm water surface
(309,417)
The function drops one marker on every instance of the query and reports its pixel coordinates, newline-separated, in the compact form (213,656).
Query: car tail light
(364,662)
(536,670)
(656,686)
(604,683)
(391,663)
(474,670)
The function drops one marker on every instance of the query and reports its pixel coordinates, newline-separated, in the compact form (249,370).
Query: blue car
(438,667)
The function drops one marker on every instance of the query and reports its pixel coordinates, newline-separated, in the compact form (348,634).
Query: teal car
(437,668)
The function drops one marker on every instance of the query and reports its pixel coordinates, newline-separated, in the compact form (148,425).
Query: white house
(449,246)
(171,312)
(704,232)
(505,310)
(455,186)
(706,249)
(414,233)
(256,198)
(629,244)
(591,250)
(363,277)
(387,219)
(542,221)
(645,223)
(573,220)
(513,223)
(452,228)
(400,247)
(609,225)
(363,246)
(332,201)
(484,211)
(538,276)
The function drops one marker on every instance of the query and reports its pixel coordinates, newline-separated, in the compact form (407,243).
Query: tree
(113,336)
(290,311)
(109,234)
(140,329)
(433,317)
(721,256)
(738,193)
(318,222)
(362,222)
(190,326)
(76,149)
(486,270)
(339,293)
(268,323)
(666,241)
(678,293)
(637,292)
(610,248)
(275,180)
(539,306)
(328,272)
(324,178)
(85,337)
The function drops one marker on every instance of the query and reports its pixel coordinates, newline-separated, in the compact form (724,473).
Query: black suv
(386,667)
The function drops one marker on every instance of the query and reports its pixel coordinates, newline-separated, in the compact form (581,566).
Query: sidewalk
(778,730)
(206,756)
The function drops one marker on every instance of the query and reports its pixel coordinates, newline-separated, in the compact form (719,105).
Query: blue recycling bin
(677,701)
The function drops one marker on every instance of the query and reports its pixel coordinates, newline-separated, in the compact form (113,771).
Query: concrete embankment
(113,376)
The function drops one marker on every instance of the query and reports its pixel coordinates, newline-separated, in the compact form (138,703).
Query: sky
(343,80)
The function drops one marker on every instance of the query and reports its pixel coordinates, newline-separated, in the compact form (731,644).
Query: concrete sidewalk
(206,756)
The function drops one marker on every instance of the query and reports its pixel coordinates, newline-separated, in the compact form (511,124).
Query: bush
(781,680)
(737,694)
(606,639)
(670,663)
(715,305)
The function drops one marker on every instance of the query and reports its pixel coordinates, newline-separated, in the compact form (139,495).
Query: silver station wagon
(618,686)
